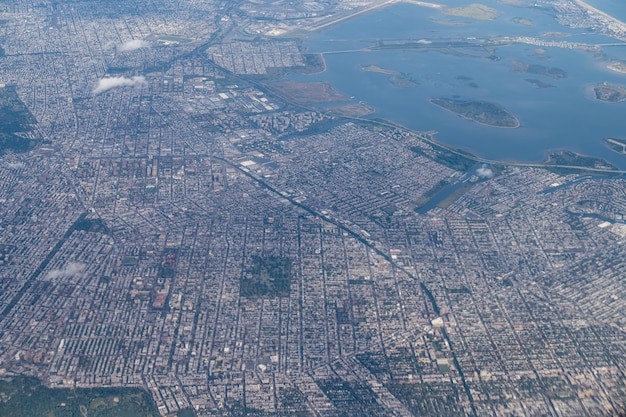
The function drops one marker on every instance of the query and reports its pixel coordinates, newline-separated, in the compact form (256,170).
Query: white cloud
(484,172)
(71,269)
(105,84)
(133,45)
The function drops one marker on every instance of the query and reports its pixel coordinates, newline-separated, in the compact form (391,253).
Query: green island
(16,123)
(609,92)
(379,70)
(538,83)
(473,11)
(22,396)
(402,81)
(537,69)
(522,21)
(483,112)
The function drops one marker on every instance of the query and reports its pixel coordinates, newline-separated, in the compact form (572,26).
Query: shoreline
(591,9)
(461,151)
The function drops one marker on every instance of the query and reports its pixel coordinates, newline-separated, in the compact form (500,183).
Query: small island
(617,66)
(555,73)
(538,83)
(522,21)
(402,81)
(379,70)
(482,112)
(609,92)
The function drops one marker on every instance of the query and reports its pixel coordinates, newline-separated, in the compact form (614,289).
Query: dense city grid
(184,228)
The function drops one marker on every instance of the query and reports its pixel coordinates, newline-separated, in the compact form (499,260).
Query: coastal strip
(592,10)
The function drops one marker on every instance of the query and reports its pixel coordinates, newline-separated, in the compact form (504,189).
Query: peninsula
(610,19)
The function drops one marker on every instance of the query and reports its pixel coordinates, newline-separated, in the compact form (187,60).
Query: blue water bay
(555,113)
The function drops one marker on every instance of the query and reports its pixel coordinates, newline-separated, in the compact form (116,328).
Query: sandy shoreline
(589,8)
